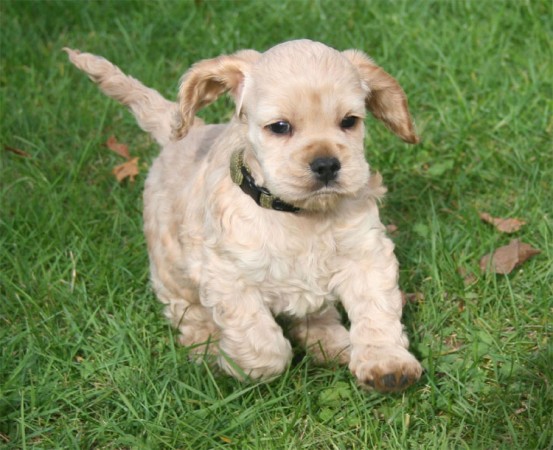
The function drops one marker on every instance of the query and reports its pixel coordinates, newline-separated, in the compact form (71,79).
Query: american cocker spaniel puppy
(274,213)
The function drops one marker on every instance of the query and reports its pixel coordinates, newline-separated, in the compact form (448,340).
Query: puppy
(274,213)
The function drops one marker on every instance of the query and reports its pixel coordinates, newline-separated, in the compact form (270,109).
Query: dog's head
(304,105)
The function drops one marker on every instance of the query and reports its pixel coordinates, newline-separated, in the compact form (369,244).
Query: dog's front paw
(262,359)
(386,369)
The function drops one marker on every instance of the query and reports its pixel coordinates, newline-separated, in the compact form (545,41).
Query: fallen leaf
(453,342)
(128,169)
(391,228)
(412,297)
(415,297)
(118,147)
(524,408)
(17,151)
(506,258)
(503,225)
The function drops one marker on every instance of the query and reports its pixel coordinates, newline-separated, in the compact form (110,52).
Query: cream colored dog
(274,213)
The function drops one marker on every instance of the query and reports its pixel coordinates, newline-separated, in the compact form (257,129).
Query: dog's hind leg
(323,336)
(195,323)
(197,330)
(152,111)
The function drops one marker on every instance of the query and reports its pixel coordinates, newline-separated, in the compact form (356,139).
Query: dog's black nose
(325,168)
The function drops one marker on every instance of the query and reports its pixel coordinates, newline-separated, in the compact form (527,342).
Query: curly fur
(225,267)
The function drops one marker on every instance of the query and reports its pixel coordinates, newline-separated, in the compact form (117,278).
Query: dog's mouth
(326,190)
(321,199)
(321,191)
(306,187)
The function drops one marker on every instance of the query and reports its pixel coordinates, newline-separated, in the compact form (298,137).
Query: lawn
(87,360)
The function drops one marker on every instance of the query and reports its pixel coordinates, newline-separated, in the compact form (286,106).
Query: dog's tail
(153,113)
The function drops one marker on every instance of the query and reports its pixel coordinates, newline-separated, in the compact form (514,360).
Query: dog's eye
(348,122)
(280,127)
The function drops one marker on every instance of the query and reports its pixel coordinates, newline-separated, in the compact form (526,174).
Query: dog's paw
(386,369)
(201,343)
(261,359)
(199,352)
(264,370)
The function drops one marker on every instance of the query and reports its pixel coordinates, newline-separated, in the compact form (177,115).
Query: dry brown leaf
(506,258)
(453,342)
(415,297)
(391,228)
(128,169)
(17,151)
(503,225)
(411,297)
(521,410)
(118,147)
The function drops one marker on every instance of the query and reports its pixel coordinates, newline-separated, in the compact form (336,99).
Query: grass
(86,360)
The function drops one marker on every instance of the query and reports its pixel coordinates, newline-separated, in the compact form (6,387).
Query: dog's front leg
(370,294)
(251,342)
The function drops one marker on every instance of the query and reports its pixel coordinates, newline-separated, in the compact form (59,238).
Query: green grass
(87,360)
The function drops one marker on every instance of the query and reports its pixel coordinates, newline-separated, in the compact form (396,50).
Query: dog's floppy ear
(386,99)
(207,80)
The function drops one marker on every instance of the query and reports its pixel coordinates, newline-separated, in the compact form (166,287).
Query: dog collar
(241,175)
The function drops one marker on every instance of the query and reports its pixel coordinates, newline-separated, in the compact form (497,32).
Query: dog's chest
(293,272)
